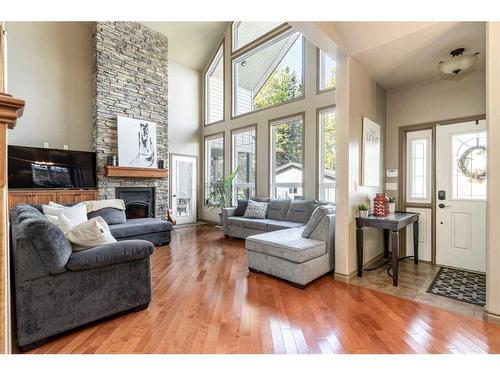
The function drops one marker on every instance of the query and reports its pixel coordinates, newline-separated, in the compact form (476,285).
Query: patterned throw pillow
(256,210)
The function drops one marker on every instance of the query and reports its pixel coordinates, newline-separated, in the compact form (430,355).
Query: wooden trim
(319,146)
(304,42)
(10,109)
(116,171)
(290,116)
(242,129)
(224,50)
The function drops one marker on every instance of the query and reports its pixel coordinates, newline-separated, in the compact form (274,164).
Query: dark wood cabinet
(35,196)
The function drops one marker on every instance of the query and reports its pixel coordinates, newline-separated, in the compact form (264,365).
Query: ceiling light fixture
(244,63)
(458,63)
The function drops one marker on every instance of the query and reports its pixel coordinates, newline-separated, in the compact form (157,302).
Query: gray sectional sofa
(57,289)
(277,245)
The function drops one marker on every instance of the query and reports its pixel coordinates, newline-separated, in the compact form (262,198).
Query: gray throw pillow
(256,210)
(318,215)
(110,215)
(241,208)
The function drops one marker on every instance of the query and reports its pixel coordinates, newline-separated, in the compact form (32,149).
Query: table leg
(386,243)
(395,257)
(359,250)
(415,241)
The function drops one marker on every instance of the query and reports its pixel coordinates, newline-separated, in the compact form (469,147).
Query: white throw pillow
(94,232)
(76,214)
(54,204)
(256,210)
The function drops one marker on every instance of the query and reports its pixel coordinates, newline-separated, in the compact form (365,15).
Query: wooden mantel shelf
(10,109)
(112,171)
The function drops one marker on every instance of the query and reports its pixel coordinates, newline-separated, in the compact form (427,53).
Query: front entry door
(461,195)
(183,188)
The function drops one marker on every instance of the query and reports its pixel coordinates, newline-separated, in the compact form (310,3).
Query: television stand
(43,196)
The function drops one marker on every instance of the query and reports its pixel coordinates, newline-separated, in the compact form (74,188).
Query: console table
(392,223)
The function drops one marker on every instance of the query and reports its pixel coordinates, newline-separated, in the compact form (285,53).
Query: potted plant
(221,193)
(362,210)
(392,205)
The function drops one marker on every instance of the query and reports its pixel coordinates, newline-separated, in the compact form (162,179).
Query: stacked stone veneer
(130,79)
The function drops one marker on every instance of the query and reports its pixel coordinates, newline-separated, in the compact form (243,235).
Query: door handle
(442,205)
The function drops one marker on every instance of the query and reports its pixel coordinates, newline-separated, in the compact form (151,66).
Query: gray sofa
(277,244)
(57,289)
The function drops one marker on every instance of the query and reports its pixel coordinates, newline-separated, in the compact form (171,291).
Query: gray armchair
(57,289)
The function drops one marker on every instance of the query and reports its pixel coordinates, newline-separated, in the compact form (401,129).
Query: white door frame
(402,204)
(195,192)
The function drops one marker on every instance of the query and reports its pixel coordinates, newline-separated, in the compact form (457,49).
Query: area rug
(460,285)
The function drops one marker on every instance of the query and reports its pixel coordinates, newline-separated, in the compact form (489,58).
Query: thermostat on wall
(392,172)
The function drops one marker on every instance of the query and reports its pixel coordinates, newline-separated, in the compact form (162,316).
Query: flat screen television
(46,168)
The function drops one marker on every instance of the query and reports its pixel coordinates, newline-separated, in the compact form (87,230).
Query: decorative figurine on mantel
(380,205)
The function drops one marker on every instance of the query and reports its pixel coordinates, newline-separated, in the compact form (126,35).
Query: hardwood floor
(205,301)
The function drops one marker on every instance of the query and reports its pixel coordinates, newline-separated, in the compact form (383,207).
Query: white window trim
(321,185)
(410,137)
(272,160)
(219,57)
(321,71)
(206,173)
(234,161)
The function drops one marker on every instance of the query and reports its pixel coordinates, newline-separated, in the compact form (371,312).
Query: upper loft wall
(432,102)
(50,66)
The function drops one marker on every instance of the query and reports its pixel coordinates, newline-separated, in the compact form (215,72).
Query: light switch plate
(391,172)
(392,186)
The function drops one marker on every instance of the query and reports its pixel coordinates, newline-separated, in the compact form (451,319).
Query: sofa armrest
(325,231)
(227,213)
(112,253)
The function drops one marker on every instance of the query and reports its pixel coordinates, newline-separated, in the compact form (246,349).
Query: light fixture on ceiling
(458,63)
(244,63)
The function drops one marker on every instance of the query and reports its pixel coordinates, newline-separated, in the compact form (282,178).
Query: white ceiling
(190,43)
(400,54)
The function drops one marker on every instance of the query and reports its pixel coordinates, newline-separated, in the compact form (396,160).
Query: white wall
(184,95)
(50,66)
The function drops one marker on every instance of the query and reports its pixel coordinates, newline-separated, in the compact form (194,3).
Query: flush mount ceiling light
(458,63)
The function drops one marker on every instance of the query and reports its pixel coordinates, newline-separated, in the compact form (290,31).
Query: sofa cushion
(256,210)
(118,252)
(241,208)
(110,215)
(278,225)
(265,200)
(287,244)
(300,211)
(278,208)
(237,221)
(319,213)
(259,224)
(50,243)
(136,227)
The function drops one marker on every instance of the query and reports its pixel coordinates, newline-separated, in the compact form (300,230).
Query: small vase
(392,207)
(380,205)
(363,213)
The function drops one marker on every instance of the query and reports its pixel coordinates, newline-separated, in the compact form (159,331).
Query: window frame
(319,154)
(319,90)
(256,48)
(411,136)
(206,138)
(291,116)
(249,45)
(234,131)
(205,85)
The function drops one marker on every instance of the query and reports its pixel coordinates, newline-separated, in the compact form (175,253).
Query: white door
(461,195)
(183,188)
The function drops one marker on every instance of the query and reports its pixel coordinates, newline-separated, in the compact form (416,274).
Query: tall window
(214,88)
(327,154)
(269,75)
(418,146)
(246,32)
(327,75)
(214,162)
(244,159)
(287,157)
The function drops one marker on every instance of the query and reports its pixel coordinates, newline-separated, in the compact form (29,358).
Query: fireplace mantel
(115,171)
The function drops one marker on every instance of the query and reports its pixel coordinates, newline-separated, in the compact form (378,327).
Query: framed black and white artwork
(136,143)
(371,153)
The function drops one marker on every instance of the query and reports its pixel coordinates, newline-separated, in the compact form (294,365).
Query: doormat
(461,285)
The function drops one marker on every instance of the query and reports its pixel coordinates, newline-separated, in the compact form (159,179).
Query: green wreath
(479,174)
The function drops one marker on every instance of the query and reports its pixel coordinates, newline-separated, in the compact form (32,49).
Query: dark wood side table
(392,223)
